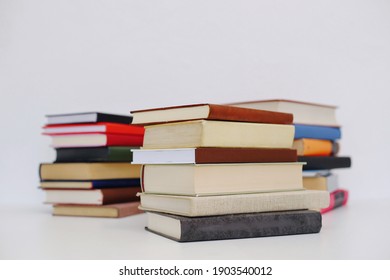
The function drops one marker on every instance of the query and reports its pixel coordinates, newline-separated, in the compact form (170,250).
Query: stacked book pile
(213,172)
(92,174)
(317,135)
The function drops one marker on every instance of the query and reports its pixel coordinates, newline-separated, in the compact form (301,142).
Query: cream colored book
(217,179)
(234,204)
(203,133)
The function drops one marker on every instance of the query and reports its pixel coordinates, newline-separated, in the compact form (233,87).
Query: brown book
(213,155)
(91,197)
(209,112)
(117,210)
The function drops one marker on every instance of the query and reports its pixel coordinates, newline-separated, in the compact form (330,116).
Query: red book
(338,198)
(101,127)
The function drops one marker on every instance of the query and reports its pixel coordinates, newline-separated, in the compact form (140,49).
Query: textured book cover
(185,229)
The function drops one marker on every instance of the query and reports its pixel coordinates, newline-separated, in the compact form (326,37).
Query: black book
(95,154)
(186,229)
(87,117)
(319,162)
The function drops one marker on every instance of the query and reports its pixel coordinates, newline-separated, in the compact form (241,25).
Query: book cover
(213,155)
(95,154)
(338,198)
(185,229)
(314,163)
(234,204)
(209,112)
(317,132)
(95,140)
(87,117)
(94,184)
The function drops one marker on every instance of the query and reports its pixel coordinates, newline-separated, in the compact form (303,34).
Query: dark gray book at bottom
(186,229)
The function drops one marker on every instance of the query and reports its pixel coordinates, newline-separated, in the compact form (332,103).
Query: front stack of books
(317,141)
(212,172)
(92,175)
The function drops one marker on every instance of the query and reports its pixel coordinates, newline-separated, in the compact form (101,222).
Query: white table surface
(360,230)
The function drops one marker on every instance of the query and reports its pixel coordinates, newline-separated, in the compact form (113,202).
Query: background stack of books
(92,174)
(218,172)
(317,133)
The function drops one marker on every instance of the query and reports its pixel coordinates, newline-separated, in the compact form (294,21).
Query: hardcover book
(186,229)
(213,155)
(317,181)
(95,154)
(195,134)
(209,112)
(234,204)
(117,210)
(95,184)
(317,132)
(315,147)
(87,117)
(338,198)
(217,179)
(314,163)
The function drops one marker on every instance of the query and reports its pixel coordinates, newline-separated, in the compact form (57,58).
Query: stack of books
(213,172)
(317,135)
(92,174)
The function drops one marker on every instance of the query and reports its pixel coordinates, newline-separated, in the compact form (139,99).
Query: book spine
(102,117)
(118,195)
(317,163)
(338,198)
(317,132)
(129,211)
(124,140)
(315,147)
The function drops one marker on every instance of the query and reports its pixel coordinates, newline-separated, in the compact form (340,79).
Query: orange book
(315,147)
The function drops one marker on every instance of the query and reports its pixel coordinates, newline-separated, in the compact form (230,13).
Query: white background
(117,56)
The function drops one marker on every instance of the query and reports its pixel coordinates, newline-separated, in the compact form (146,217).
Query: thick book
(101,127)
(217,179)
(203,133)
(87,117)
(95,140)
(88,171)
(234,204)
(317,132)
(213,155)
(95,154)
(315,147)
(316,180)
(209,112)
(304,112)
(338,198)
(314,163)
(186,229)
(117,210)
(94,184)
(92,197)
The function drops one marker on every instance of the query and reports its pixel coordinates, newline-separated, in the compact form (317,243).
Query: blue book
(317,132)
(94,184)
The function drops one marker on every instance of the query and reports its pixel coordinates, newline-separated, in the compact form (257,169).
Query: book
(209,112)
(217,179)
(117,210)
(101,127)
(95,140)
(95,184)
(213,155)
(87,117)
(304,112)
(315,147)
(203,133)
(314,163)
(186,229)
(95,154)
(327,182)
(92,197)
(88,171)
(338,198)
(234,204)
(317,132)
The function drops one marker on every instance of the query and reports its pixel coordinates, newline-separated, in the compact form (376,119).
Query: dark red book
(338,198)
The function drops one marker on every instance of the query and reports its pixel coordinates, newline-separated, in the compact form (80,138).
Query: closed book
(213,155)
(186,229)
(304,112)
(88,171)
(314,163)
(92,197)
(87,117)
(108,128)
(117,210)
(338,198)
(234,204)
(95,140)
(217,179)
(209,112)
(95,154)
(317,132)
(92,184)
(317,181)
(315,147)
(203,133)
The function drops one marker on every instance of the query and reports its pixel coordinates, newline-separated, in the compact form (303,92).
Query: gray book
(186,229)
